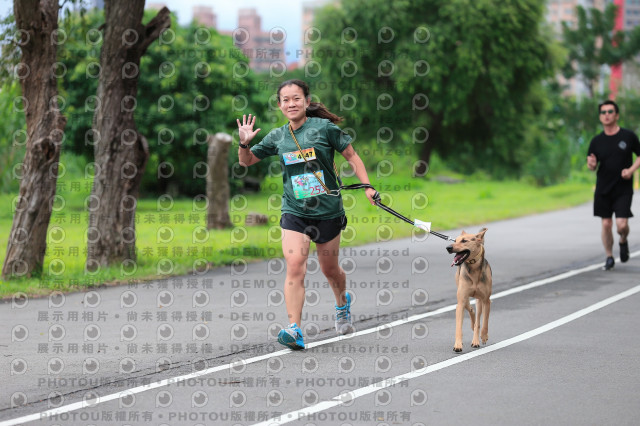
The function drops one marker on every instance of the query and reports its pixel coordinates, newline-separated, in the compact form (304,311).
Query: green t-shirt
(303,195)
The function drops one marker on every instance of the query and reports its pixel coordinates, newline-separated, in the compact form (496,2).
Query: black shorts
(618,202)
(320,231)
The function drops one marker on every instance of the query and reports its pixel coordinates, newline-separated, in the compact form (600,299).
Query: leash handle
(377,200)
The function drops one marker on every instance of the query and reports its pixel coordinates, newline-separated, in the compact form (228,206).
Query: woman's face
(292,102)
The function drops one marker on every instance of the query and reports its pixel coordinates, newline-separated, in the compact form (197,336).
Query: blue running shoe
(343,317)
(291,337)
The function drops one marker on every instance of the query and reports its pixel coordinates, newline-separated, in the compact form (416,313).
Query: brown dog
(473,279)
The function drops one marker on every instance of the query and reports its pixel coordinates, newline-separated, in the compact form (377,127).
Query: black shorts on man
(617,201)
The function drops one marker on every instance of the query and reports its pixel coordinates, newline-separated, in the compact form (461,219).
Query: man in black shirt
(611,152)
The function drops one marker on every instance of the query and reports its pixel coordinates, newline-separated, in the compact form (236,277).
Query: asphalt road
(202,349)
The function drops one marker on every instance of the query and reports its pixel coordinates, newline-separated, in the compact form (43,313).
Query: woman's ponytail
(317,109)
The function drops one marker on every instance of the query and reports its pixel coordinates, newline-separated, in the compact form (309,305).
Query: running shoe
(624,252)
(608,265)
(343,317)
(291,337)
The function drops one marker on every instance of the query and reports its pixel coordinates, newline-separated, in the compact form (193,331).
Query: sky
(274,13)
(286,14)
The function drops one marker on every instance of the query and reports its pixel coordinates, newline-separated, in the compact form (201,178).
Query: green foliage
(79,55)
(470,73)
(629,104)
(552,162)
(476,64)
(593,43)
(13,135)
(9,50)
(193,83)
(193,89)
(448,206)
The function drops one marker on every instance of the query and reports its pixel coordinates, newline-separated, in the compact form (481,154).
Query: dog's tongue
(457,258)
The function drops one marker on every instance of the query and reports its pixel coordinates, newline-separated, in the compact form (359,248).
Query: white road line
(357,393)
(165,382)
(444,309)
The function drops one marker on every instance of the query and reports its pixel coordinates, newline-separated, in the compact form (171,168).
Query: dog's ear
(481,233)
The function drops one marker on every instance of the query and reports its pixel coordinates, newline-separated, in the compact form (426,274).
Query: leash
(426,226)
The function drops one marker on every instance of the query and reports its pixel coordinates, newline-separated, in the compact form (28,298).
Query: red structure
(616,70)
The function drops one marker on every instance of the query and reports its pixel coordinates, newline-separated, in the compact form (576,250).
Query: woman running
(311,203)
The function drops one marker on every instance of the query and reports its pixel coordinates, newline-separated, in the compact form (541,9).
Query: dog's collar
(477,258)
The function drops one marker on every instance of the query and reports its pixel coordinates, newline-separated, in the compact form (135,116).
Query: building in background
(264,49)
(559,11)
(310,34)
(627,75)
(621,77)
(204,15)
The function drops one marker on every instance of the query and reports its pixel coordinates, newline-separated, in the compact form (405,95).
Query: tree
(594,43)
(121,152)
(196,83)
(460,78)
(37,24)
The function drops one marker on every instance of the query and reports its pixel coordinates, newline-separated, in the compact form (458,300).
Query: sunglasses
(607,111)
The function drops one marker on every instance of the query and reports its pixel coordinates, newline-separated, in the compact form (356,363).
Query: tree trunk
(421,167)
(121,152)
(218,181)
(37,23)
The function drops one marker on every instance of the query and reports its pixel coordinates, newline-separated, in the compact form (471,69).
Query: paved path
(202,350)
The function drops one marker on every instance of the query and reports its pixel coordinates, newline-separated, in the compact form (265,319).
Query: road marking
(357,393)
(449,308)
(165,382)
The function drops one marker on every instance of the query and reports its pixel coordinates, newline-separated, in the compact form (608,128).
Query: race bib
(295,157)
(307,185)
